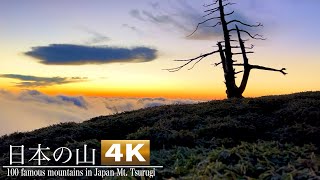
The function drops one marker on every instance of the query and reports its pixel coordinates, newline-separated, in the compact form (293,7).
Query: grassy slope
(275,136)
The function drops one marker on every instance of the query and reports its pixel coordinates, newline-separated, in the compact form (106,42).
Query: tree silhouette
(226,48)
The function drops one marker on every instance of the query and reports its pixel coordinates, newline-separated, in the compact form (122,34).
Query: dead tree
(226,48)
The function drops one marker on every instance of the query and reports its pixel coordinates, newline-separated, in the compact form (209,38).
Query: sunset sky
(119,48)
(161,26)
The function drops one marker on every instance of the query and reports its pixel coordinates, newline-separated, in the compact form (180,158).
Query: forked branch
(188,61)
(268,69)
(263,68)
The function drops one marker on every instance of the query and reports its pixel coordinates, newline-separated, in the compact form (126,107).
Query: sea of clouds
(31,109)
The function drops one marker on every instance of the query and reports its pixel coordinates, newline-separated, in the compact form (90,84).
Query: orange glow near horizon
(135,93)
(202,83)
(173,93)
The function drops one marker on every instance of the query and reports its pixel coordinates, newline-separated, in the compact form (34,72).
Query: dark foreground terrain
(274,137)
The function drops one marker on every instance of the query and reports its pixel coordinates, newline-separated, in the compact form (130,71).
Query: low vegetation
(274,137)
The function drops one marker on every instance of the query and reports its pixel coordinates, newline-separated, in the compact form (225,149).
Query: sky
(76,59)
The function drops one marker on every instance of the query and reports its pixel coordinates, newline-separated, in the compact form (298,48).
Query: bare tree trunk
(232,89)
(226,49)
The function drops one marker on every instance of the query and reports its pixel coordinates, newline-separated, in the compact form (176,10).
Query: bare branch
(212,3)
(229,4)
(202,23)
(245,24)
(195,63)
(218,8)
(212,10)
(256,36)
(252,46)
(268,69)
(263,68)
(231,40)
(229,14)
(218,23)
(207,5)
(188,61)
(249,52)
(238,72)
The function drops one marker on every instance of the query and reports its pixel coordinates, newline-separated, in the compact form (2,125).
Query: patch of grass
(262,160)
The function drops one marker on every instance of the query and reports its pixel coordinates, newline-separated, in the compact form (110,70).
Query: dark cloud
(69,54)
(35,81)
(184,18)
(77,101)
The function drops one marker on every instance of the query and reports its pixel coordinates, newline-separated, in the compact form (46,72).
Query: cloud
(70,54)
(31,109)
(96,37)
(136,14)
(180,18)
(36,96)
(133,28)
(35,81)
(164,19)
(184,18)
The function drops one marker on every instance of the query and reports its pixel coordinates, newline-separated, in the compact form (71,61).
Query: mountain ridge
(198,135)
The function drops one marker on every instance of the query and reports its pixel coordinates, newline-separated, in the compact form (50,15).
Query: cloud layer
(70,54)
(32,109)
(36,81)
